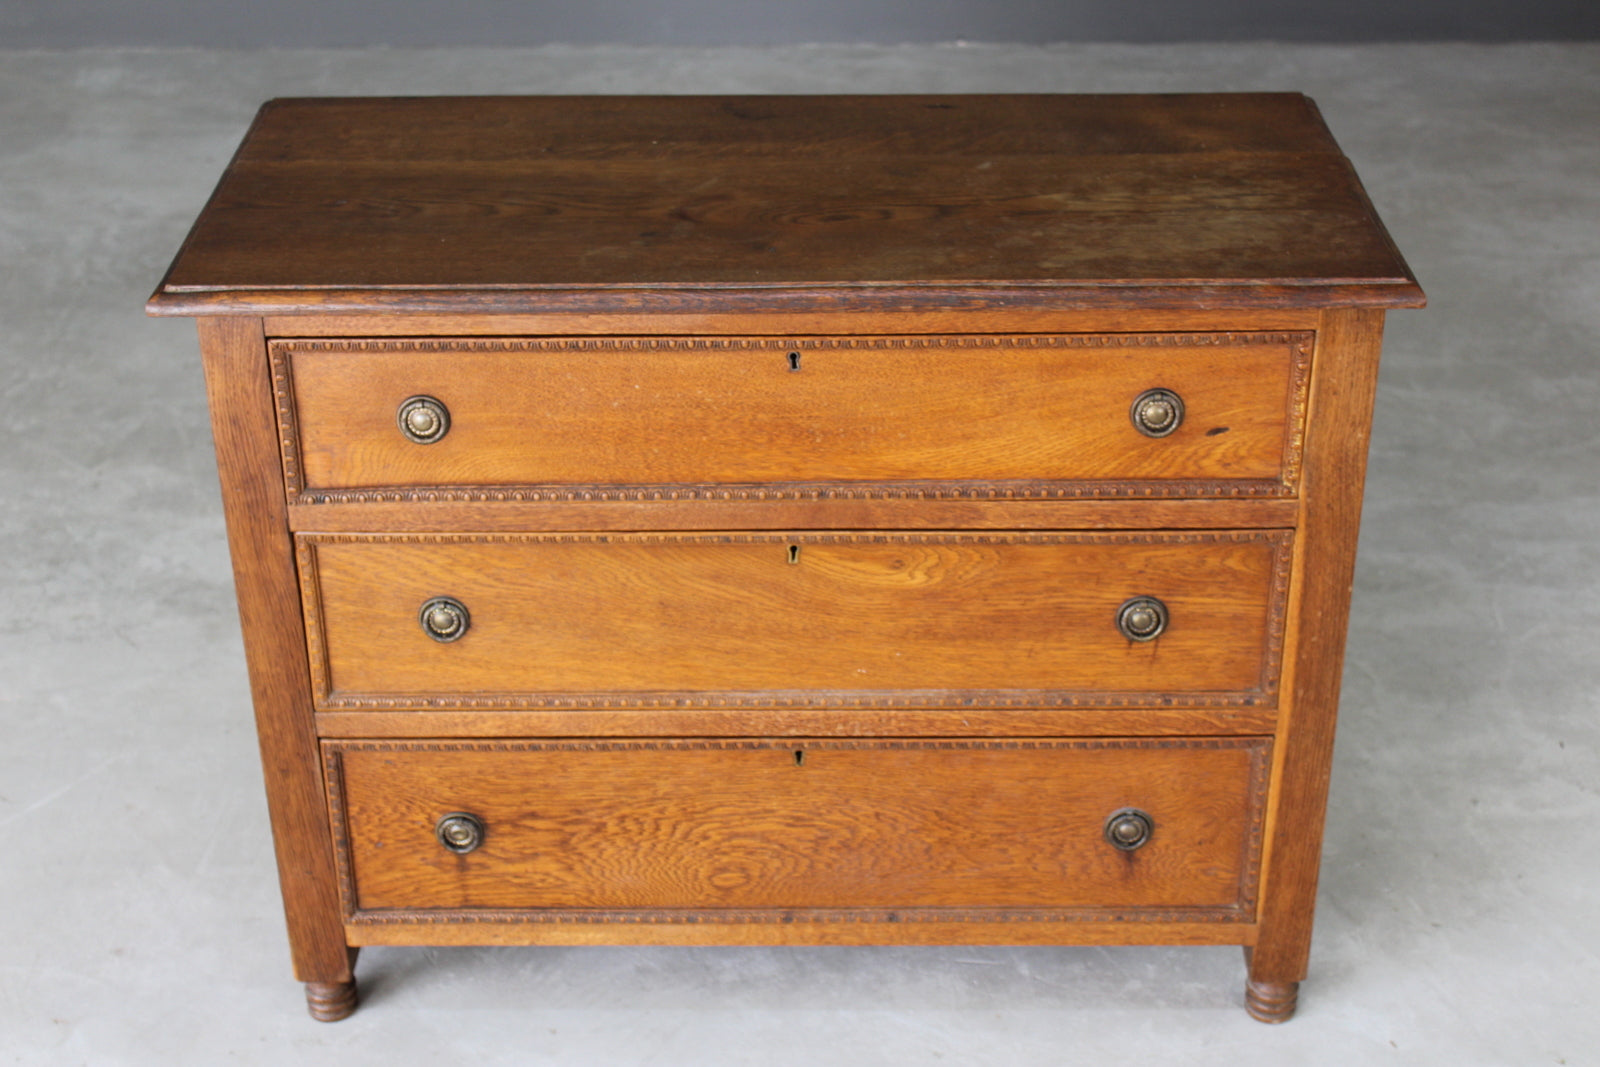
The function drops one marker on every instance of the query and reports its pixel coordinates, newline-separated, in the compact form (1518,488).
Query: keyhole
(794,553)
(799,758)
(794,361)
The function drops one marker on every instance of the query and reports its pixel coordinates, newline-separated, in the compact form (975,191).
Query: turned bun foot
(1271,1002)
(329,1002)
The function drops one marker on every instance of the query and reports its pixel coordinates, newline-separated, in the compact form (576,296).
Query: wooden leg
(329,1002)
(1266,999)
(249,458)
(1271,1002)
(1344,378)
(332,1000)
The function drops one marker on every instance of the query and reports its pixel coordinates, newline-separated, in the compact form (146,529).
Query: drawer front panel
(719,620)
(1039,416)
(725,826)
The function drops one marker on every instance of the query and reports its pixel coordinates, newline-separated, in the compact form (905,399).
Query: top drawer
(1036,417)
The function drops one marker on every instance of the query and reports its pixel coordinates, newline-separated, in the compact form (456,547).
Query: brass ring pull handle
(459,832)
(444,618)
(1142,618)
(1156,412)
(1129,829)
(423,419)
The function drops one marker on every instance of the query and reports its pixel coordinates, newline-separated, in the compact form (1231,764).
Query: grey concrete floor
(1459,916)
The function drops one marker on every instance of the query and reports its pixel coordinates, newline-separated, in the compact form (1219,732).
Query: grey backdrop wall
(405,23)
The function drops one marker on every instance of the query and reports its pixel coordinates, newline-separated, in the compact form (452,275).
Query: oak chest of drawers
(793,520)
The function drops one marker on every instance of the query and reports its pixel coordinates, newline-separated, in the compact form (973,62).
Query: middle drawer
(756,619)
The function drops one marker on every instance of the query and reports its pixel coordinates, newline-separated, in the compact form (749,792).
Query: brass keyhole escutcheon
(444,618)
(1156,412)
(459,832)
(423,419)
(1128,829)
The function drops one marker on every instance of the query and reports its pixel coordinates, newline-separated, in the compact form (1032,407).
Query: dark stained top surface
(522,203)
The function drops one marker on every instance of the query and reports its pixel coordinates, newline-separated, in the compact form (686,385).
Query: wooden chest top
(786,203)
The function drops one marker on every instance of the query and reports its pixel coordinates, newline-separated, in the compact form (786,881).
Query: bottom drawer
(540,830)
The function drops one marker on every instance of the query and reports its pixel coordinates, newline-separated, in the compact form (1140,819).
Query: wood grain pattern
(242,426)
(1155,716)
(832,509)
(964,416)
(828,128)
(914,620)
(400,928)
(884,831)
(678,204)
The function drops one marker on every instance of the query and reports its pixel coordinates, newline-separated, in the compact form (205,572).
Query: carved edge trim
(802,491)
(1263,695)
(719,744)
(887,342)
(795,917)
(311,603)
(288,423)
(914,700)
(1299,398)
(1258,749)
(1300,342)
(984,537)
(1277,610)
(1250,866)
(339,822)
